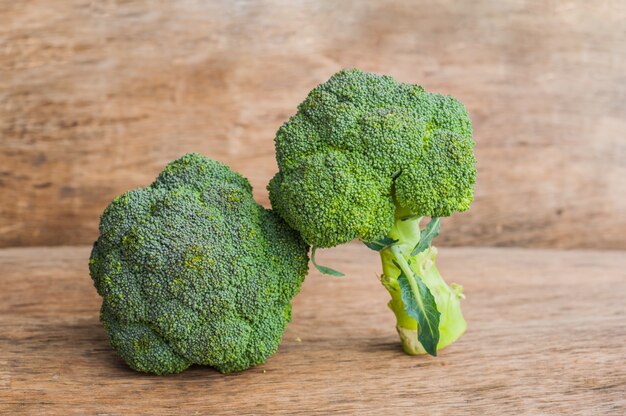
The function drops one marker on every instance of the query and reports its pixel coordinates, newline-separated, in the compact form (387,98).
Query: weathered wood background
(97,96)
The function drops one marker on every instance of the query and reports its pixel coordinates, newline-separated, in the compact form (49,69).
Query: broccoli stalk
(437,330)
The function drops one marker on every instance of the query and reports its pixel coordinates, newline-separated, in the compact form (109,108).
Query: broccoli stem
(406,230)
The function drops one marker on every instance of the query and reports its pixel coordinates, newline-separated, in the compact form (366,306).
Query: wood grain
(97,96)
(547,336)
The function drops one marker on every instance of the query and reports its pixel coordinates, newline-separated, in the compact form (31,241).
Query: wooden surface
(97,96)
(547,336)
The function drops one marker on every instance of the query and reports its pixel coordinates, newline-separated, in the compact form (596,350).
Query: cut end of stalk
(410,344)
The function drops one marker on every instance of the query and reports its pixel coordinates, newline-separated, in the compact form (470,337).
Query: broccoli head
(192,270)
(367,157)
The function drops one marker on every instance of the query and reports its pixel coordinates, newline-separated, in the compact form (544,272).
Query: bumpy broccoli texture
(367,157)
(192,270)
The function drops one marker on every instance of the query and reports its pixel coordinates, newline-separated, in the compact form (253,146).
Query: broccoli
(192,270)
(367,157)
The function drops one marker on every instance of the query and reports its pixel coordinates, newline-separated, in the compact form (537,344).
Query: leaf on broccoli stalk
(381,244)
(427,235)
(324,269)
(420,305)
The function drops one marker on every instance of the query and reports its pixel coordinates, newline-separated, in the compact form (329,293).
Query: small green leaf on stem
(420,305)
(324,269)
(381,244)
(427,235)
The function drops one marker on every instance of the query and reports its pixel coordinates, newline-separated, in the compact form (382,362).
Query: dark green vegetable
(366,157)
(192,270)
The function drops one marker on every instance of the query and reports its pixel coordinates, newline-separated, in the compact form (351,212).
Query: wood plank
(98,96)
(547,335)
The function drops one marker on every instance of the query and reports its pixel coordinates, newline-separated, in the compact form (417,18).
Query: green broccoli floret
(192,270)
(367,157)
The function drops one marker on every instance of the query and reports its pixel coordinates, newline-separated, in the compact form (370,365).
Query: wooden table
(547,335)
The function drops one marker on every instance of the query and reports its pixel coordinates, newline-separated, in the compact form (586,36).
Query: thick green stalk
(451,325)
